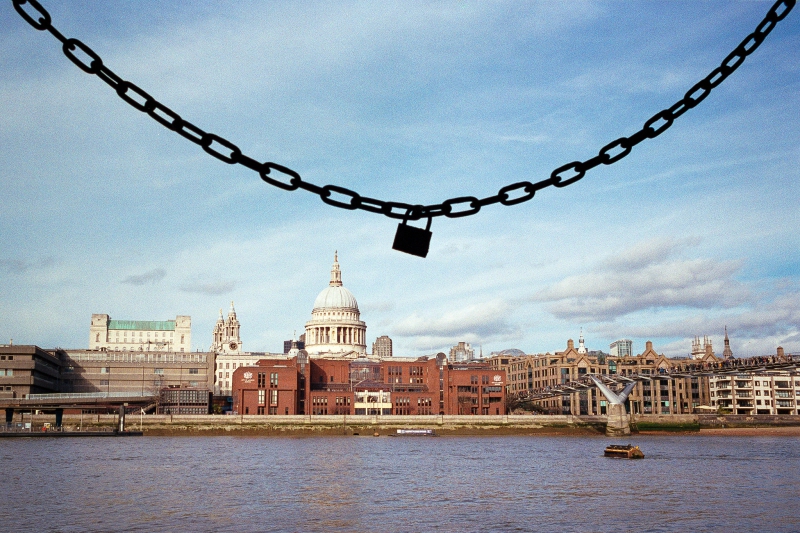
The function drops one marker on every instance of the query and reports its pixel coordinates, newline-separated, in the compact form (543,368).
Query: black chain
(279,176)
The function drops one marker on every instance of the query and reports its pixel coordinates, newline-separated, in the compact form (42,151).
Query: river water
(331,484)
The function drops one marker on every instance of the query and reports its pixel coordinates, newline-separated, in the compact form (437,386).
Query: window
(273,379)
(262,397)
(220,375)
(194,370)
(262,380)
(105,370)
(158,371)
(273,397)
(260,409)
(104,382)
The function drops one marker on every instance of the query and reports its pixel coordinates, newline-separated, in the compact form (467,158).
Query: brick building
(396,386)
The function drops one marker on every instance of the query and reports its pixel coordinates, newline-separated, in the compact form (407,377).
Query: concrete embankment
(198,425)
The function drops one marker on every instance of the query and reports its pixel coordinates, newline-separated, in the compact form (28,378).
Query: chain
(284,178)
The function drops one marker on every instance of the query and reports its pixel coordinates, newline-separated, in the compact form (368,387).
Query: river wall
(384,425)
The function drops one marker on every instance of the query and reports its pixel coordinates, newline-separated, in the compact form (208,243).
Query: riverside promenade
(196,425)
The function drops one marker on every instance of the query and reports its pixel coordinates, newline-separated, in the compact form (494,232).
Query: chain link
(91,63)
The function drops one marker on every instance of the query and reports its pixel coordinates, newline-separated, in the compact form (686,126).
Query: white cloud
(150,277)
(645,278)
(489,320)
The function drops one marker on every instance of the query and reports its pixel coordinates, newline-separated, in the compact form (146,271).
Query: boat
(414,433)
(625,451)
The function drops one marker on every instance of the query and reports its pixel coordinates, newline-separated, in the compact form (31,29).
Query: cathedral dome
(335,298)
(335,326)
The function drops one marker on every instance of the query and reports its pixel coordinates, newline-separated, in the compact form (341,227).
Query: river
(450,484)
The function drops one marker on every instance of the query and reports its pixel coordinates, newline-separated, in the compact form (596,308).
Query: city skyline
(105,211)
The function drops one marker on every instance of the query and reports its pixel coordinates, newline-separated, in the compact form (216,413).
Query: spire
(232,312)
(336,274)
(581,345)
(727,353)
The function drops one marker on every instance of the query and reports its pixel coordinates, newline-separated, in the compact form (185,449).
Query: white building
(767,393)
(335,327)
(621,348)
(140,335)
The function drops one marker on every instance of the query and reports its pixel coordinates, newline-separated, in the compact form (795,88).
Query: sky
(103,210)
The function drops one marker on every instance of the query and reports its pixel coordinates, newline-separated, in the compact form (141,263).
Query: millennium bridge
(617,387)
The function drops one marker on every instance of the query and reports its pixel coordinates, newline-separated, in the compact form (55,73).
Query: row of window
(757,383)
(260,410)
(141,333)
(6,372)
(262,379)
(273,397)
(6,357)
(107,370)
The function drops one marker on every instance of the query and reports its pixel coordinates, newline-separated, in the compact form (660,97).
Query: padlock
(412,240)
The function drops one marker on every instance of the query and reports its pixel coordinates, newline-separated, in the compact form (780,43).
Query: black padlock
(412,240)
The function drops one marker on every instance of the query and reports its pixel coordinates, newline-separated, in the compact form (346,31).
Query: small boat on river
(414,433)
(625,451)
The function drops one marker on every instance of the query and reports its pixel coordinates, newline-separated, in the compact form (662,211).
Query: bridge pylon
(618,423)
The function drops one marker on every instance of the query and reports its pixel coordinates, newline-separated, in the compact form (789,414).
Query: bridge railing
(28,427)
(87,395)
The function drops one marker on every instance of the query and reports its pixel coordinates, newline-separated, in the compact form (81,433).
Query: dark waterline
(686,483)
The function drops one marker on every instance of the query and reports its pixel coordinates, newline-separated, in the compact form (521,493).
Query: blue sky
(105,211)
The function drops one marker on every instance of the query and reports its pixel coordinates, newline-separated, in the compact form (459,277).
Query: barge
(625,451)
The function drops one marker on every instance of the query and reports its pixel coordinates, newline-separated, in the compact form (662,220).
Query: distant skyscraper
(462,352)
(621,348)
(301,344)
(382,347)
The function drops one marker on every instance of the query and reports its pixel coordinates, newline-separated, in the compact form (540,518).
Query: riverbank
(762,431)
(351,425)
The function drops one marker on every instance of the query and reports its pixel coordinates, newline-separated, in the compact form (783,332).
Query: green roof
(142,325)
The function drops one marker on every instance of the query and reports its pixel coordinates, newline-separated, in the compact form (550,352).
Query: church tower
(727,353)
(581,344)
(226,334)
